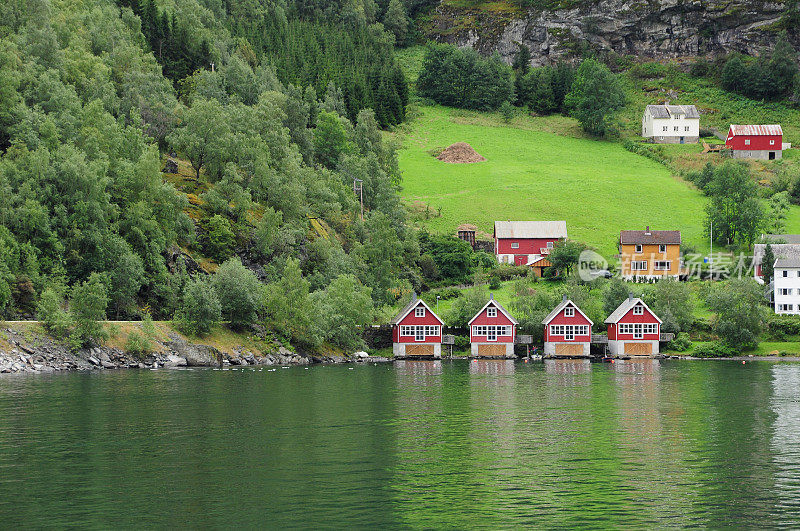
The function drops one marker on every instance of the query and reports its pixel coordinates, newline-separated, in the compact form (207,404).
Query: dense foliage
(767,78)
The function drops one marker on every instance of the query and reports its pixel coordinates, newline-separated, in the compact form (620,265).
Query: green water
(420,444)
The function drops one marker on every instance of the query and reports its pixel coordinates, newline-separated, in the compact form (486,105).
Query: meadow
(540,169)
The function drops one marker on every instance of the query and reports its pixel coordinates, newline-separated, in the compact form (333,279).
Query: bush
(787,325)
(510,271)
(681,343)
(137,345)
(494,282)
(52,315)
(200,309)
(649,70)
(700,68)
(714,350)
(88,308)
(220,239)
(239,293)
(461,343)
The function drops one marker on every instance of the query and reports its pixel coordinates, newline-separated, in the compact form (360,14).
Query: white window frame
(662,248)
(662,265)
(746,141)
(785,291)
(569,333)
(491,312)
(557,330)
(549,245)
(419,312)
(676,128)
(406,331)
(771,142)
(625,328)
(786,274)
(638,310)
(637,248)
(639,265)
(638,331)
(686,128)
(569,311)
(650,328)
(515,245)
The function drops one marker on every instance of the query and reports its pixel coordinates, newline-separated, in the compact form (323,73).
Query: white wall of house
(674,127)
(787,290)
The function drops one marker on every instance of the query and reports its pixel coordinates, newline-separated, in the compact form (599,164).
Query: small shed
(633,329)
(467,232)
(417,331)
(492,331)
(567,331)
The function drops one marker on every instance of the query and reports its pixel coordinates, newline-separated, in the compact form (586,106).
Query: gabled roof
(530,229)
(498,306)
(780,250)
(410,306)
(564,303)
(756,130)
(650,237)
(789,263)
(665,111)
(781,238)
(625,307)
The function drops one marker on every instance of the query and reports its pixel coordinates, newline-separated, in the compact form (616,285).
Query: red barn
(567,331)
(755,141)
(525,242)
(492,332)
(417,331)
(633,329)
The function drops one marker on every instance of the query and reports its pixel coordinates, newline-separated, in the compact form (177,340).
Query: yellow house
(650,253)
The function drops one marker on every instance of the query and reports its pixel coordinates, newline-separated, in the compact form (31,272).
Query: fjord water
(415,444)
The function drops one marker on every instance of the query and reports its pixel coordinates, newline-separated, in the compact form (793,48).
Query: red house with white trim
(633,329)
(763,142)
(567,331)
(526,242)
(492,332)
(417,331)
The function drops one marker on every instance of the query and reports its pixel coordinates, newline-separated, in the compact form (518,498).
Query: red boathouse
(492,332)
(417,331)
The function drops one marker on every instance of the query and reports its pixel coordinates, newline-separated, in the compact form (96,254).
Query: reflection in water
(785,445)
(420,444)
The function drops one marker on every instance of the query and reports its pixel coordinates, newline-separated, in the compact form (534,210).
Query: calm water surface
(417,444)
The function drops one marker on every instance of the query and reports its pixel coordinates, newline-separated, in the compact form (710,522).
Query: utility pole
(212,67)
(358,189)
(711,258)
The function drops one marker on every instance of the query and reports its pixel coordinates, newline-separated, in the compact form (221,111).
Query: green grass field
(533,173)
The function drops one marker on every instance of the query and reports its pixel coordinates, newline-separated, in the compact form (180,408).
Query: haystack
(460,153)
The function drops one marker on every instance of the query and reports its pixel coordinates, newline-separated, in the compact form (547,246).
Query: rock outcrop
(644,28)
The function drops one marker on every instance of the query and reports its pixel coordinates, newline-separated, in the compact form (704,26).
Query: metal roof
(756,130)
(650,237)
(530,229)
(781,238)
(625,307)
(666,111)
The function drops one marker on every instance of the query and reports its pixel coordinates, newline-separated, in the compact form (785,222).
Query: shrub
(239,293)
(681,343)
(88,308)
(649,70)
(494,282)
(137,345)
(461,343)
(714,350)
(200,309)
(510,271)
(788,325)
(220,239)
(52,315)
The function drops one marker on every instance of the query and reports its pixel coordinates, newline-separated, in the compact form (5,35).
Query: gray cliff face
(656,28)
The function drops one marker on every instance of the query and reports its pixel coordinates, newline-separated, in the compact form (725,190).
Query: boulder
(361,355)
(196,355)
(94,361)
(175,361)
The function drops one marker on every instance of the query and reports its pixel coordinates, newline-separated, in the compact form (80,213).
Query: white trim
(569,311)
(557,310)
(419,301)
(419,312)
(638,265)
(496,305)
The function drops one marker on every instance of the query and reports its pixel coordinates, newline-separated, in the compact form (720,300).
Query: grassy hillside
(533,171)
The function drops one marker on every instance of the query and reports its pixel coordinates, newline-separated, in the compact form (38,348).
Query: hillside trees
(735,208)
(594,97)
(762,78)
(461,78)
(739,315)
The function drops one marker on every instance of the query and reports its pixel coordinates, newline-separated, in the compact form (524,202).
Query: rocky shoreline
(41,354)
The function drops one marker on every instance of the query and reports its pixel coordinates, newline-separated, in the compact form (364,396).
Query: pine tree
(396,20)
(783,64)
(768,265)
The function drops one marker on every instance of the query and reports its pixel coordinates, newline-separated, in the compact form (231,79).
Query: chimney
(413,296)
(564,298)
(491,296)
(630,295)
(647,230)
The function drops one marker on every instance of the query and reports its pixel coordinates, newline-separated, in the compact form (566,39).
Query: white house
(787,285)
(671,124)
(789,247)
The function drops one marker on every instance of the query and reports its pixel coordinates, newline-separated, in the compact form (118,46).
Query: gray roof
(530,229)
(787,262)
(625,307)
(665,111)
(413,303)
(650,237)
(780,250)
(781,238)
(564,303)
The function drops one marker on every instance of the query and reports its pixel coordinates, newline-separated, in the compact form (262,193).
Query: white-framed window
(515,245)
(676,128)
(431,330)
(406,331)
(638,310)
(506,330)
(625,328)
(786,274)
(662,265)
(557,330)
(785,291)
(686,128)
(549,245)
(419,312)
(662,248)
(491,312)
(665,128)
(638,248)
(747,142)
(569,311)
(639,265)
(786,307)
(420,332)
(771,142)
(650,328)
